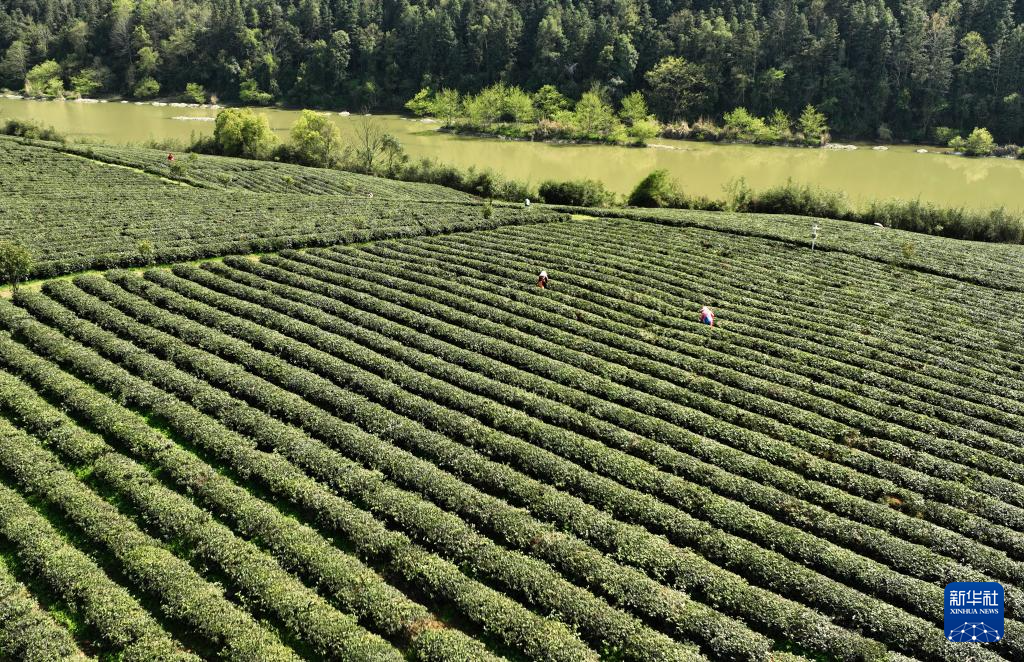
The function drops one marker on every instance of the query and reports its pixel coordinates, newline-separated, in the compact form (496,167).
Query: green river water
(702,168)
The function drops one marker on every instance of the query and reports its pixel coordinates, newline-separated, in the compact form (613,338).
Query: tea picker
(707,318)
(542,280)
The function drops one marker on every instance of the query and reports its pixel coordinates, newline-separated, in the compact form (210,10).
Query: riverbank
(170,102)
(996,225)
(701,132)
(704,168)
(532,134)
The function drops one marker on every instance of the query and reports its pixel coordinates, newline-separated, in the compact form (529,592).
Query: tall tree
(679,89)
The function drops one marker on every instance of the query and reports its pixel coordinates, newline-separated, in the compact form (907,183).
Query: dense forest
(876,68)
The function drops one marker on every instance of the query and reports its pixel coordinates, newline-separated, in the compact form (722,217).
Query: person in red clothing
(707,316)
(170,157)
(542,280)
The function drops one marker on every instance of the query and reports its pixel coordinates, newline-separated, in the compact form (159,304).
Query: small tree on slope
(16,263)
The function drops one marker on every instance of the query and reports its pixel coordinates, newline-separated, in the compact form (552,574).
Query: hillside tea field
(989,264)
(405,449)
(77,212)
(224,173)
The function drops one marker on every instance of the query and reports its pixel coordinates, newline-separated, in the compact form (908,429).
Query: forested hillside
(875,68)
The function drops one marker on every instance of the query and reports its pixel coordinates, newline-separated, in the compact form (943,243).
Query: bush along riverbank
(978,142)
(994,225)
(509,112)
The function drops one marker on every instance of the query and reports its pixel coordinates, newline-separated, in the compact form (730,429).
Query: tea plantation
(390,444)
(76,212)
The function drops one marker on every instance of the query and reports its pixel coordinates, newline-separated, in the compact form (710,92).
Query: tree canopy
(316,140)
(900,68)
(16,263)
(242,132)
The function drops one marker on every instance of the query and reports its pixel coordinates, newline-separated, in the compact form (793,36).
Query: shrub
(194,93)
(432,172)
(26,630)
(742,125)
(1009,151)
(483,183)
(959,223)
(146,251)
(178,169)
(45,79)
(547,101)
(944,134)
(249,92)
(316,140)
(581,193)
(86,81)
(241,132)
(706,129)
(643,130)
(562,125)
(656,190)
(780,125)
(979,143)
(147,88)
(16,263)
(32,130)
(677,130)
(514,190)
(814,126)
(420,104)
(792,198)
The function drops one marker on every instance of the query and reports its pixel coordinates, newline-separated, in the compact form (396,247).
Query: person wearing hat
(542,280)
(707,316)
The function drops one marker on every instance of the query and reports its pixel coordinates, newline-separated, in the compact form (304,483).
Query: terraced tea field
(224,173)
(79,212)
(405,449)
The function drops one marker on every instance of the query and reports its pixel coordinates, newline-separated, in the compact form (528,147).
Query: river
(702,168)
